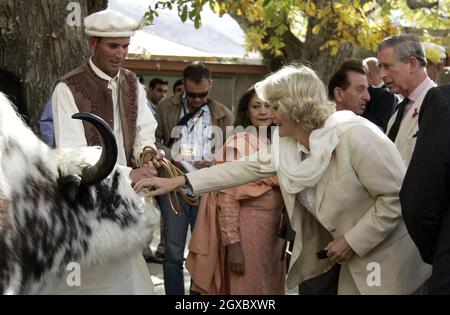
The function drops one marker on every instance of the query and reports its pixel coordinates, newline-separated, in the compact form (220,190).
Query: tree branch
(419,31)
(415,4)
(289,38)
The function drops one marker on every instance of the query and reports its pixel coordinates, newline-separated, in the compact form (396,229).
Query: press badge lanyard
(195,123)
(185,112)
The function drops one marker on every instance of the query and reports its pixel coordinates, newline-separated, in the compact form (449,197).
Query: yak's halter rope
(169,170)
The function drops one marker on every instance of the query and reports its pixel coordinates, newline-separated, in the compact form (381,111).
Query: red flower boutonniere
(415,113)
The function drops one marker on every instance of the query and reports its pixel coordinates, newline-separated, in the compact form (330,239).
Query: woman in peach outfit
(235,248)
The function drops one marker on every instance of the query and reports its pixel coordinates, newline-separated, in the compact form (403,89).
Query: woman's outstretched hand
(161,185)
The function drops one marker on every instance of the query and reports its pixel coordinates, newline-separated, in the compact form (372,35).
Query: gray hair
(405,46)
(371,65)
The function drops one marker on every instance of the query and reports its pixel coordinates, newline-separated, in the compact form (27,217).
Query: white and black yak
(57,207)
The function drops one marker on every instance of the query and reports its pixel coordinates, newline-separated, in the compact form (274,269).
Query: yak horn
(92,175)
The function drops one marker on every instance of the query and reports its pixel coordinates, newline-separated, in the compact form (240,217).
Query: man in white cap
(103,87)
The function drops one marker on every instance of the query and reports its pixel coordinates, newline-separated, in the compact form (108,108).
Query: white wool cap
(111,23)
(433,52)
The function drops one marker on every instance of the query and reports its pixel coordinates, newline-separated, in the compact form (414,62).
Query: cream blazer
(407,134)
(356,197)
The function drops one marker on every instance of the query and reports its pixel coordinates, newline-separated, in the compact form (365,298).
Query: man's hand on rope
(150,163)
(166,185)
(148,170)
(159,157)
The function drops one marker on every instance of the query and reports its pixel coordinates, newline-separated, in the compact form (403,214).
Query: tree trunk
(38,46)
(97,5)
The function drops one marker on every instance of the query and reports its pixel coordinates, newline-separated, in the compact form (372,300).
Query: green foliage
(360,22)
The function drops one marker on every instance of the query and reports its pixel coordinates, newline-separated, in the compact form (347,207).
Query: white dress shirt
(196,136)
(151,105)
(415,95)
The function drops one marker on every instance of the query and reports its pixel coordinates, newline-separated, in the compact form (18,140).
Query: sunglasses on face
(195,95)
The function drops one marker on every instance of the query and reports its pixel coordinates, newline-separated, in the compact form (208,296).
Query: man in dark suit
(382,102)
(425,194)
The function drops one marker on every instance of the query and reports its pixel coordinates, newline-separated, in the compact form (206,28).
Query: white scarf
(295,174)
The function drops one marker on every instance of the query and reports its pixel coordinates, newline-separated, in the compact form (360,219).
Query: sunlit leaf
(184,14)
(368,6)
(334,50)
(316,29)
(198,22)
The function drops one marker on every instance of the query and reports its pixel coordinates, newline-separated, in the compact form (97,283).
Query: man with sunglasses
(188,116)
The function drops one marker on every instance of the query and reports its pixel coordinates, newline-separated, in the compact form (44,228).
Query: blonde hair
(297,91)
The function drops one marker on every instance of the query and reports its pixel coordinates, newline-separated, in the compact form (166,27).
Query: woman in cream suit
(340,177)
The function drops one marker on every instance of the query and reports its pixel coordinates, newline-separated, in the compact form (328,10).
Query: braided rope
(168,170)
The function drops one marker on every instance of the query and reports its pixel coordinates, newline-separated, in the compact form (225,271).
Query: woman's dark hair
(242,112)
(242,109)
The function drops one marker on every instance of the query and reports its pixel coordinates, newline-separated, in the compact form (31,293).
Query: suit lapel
(411,119)
(391,122)
(407,126)
(173,116)
(322,184)
(217,112)
(289,202)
